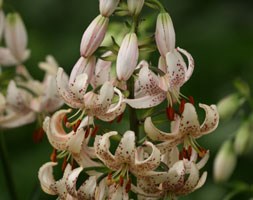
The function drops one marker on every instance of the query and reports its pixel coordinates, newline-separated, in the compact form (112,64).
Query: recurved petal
(176,69)
(46,177)
(211,120)
(6,57)
(141,167)
(102,145)
(125,151)
(64,91)
(191,64)
(87,189)
(71,181)
(117,192)
(79,86)
(189,121)
(203,161)
(56,134)
(156,134)
(201,182)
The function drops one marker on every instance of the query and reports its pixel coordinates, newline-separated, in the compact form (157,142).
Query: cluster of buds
(145,163)
(23,99)
(235,105)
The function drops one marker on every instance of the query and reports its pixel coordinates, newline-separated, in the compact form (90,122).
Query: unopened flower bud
(107,7)
(93,36)
(16,36)
(242,138)
(83,65)
(165,34)
(2,19)
(135,6)
(225,162)
(127,57)
(228,105)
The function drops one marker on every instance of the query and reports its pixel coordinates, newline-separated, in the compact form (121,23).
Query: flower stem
(6,168)
(133,120)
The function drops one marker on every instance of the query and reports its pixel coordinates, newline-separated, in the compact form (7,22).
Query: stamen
(86,135)
(170,113)
(109,180)
(76,125)
(191,100)
(65,120)
(121,181)
(94,132)
(53,155)
(38,135)
(181,107)
(64,164)
(128,185)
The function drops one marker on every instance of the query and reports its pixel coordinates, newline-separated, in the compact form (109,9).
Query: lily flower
(17,111)
(50,186)
(107,7)
(74,142)
(152,89)
(185,129)
(127,159)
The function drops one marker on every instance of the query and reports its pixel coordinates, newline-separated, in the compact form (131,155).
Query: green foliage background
(218,33)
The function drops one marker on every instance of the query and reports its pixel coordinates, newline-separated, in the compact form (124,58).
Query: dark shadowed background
(218,34)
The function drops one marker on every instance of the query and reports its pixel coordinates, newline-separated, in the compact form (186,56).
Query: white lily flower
(135,6)
(127,159)
(50,186)
(16,37)
(185,129)
(17,111)
(75,142)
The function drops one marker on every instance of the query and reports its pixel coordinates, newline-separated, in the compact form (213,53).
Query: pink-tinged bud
(165,34)
(135,6)
(93,36)
(16,36)
(127,57)
(107,7)
(2,21)
(83,65)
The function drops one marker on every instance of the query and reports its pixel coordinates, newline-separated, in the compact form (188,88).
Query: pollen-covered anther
(202,152)
(53,155)
(87,132)
(76,125)
(109,180)
(128,185)
(170,113)
(191,100)
(185,153)
(121,181)
(181,107)
(95,131)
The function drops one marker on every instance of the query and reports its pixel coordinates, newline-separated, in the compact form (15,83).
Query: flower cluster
(106,84)
(23,99)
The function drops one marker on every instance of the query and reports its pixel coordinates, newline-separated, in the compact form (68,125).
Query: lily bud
(107,7)
(228,105)
(16,36)
(83,65)
(93,36)
(165,34)
(242,138)
(127,57)
(225,162)
(135,6)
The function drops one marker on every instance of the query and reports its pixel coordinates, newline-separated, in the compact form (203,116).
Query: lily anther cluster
(107,84)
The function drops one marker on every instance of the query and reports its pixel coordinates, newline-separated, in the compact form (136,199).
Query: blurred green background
(218,33)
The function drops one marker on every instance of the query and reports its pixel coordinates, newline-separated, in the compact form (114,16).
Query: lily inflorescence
(107,84)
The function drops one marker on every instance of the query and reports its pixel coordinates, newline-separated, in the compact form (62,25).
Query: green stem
(6,168)
(133,120)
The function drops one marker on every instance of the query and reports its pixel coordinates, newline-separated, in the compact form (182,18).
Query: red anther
(53,155)
(76,125)
(121,181)
(185,153)
(170,113)
(64,164)
(94,132)
(119,119)
(65,119)
(181,107)
(202,152)
(191,100)
(180,157)
(109,177)
(38,135)
(128,185)
(87,132)
(189,151)
(109,180)
(73,164)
